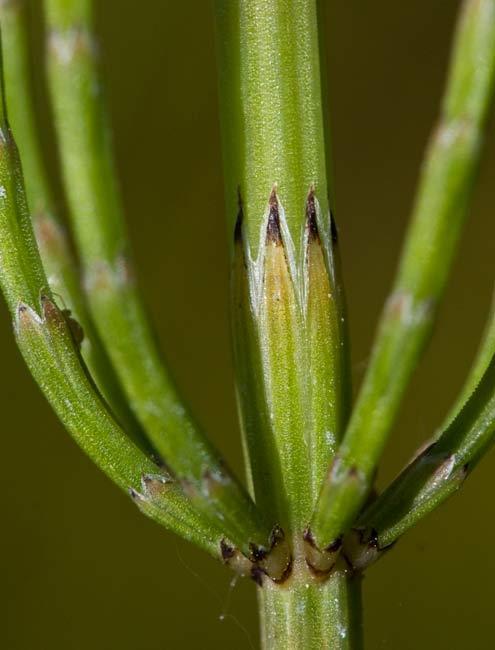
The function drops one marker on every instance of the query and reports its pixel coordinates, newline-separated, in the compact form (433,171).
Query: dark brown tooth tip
(276,536)
(373,540)
(238,226)
(273,200)
(333,230)
(308,537)
(257,575)
(257,552)
(273,234)
(334,546)
(134,494)
(311,221)
(239,219)
(226,550)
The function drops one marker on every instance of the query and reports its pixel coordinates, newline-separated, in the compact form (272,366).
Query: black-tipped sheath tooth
(311,221)
(134,494)
(238,226)
(257,553)
(257,575)
(239,220)
(333,230)
(334,546)
(373,539)
(277,535)
(227,551)
(273,233)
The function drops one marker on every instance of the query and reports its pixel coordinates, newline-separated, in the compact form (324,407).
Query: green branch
(484,355)
(48,346)
(437,472)
(441,469)
(58,261)
(445,187)
(96,214)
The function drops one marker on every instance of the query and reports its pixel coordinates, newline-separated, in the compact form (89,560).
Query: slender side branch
(484,355)
(436,473)
(113,297)
(58,260)
(439,470)
(47,343)
(445,187)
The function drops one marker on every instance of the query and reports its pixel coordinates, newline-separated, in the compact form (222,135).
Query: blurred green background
(80,568)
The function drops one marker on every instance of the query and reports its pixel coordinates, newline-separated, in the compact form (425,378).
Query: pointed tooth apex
(25,317)
(277,563)
(257,575)
(135,495)
(277,536)
(273,233)
(227,550)
(50,310)
(233,558)
(362,548)
(238,224)
(273,199)
(311,221)
(320,561)
(258,554)
(154,484)
(334,546)
(333,230)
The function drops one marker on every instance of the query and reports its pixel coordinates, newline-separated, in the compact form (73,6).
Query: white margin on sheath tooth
(256,266)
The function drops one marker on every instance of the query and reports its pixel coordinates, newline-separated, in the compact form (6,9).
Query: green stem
(445,187)
(96,214)
(58,260)
(274,160)
(312,615)
(287,300)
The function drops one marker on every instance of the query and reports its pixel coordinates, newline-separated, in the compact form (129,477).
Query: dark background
(80,568)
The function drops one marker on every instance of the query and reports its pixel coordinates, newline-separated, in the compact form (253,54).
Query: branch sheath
(445,187)
(48,346)
(96,214)
(59,263)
